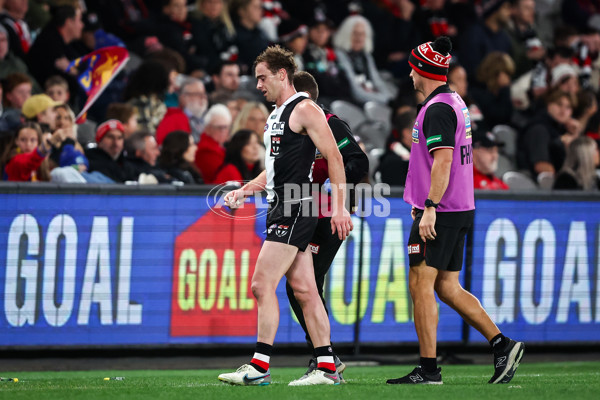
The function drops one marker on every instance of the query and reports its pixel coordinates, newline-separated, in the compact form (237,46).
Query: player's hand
(413,213)
(427,225)
(235,198)
(342,223)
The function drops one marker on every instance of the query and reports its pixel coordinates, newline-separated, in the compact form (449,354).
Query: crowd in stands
(185,108)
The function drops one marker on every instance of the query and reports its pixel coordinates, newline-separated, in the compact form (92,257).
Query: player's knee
(261,288)
(445,290)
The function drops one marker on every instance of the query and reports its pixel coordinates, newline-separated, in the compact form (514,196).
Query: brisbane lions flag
(97,70)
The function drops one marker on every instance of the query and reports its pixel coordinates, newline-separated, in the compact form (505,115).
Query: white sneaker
(317,377)
(247,375)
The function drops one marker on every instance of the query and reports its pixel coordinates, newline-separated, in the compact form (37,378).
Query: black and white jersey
(290,156)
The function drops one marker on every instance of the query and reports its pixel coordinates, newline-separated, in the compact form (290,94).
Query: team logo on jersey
(314,248)
(414,248)
(275,145)
(415,135)
(273,116)
(282,230)
(465,112)
(266,127)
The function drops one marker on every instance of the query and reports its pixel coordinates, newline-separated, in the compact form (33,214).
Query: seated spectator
(253,116)
(108,157)
(24,160)
(250,39)
(13,20)
(214,34)
(9,63)
(293,35)
(142,153)
(211,153)
(494,97)
(242,158)
(145,91)
(226,80)
(393,164)
(175,66)
(458,81)
(65,120)
(579,170)
(16,88)
(353,44)
(51,52)
(481,38)
(57,88)
(527,48)
(322,63)
(485,161)
(126,114)
(542,147)
(564,77)
(177,158)
(41,109)
(189,116)
(586,109)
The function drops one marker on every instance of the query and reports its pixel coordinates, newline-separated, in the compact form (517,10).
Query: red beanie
(429,60)
(109,125)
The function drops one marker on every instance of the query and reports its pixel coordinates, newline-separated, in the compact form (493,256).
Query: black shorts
(291,226)
(446,251)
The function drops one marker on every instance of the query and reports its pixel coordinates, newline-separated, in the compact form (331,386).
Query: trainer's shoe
(247,375)
(506,361)
(317,377)
(420,377)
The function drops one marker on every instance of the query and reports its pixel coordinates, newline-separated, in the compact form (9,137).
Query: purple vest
(459,194)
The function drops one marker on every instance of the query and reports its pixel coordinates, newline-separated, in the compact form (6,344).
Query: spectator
(322,63)
(481,38)
(226,80)
(189,116)
(293,35)
(57,88)
(9,63)
(253,116)
(564,77)
(175,66)
(527,48)
(23,161)
(17,89)
(65,120)
(494,98)
(542,148)
(177,158)
(393,164)
(146,91)
(142,154)
(126,114)
(214,34)
(51,53)
(485,161)
(354,44)
(108,157)
(586,109)
(251,40)
(40,108)
(211,153)
(458,81)
(579,170)
(242,158)
(12,18)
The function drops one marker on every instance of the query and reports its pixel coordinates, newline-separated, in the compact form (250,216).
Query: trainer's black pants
(324,246)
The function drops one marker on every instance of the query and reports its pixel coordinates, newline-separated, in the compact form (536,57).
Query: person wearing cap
(40,108)
(439,187)
(485,161)
(108,157)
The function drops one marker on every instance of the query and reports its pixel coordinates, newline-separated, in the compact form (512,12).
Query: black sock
(262,356)
(325,360)
(429,364)
(498,342)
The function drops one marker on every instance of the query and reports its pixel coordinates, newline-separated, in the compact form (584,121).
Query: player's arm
(236,197)
(307,116)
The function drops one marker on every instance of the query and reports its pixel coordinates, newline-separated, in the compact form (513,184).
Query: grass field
(565,381)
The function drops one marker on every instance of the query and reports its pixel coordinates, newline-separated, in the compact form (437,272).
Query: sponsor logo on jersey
(277,128)
(314,248)
(414,248)
(465,112)
(282,230)
(415,135)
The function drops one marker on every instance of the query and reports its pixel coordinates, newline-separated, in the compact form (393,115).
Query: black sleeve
(356,163)
(439,126)
(537,144)
(565,181)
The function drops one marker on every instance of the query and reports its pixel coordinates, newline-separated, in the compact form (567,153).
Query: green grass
(565,381)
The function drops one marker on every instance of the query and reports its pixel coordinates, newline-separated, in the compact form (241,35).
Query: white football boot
(247,375)
(317,377)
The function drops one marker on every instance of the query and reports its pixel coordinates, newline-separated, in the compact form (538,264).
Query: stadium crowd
(185,108)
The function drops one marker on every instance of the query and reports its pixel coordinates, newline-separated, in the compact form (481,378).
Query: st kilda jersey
(290,156)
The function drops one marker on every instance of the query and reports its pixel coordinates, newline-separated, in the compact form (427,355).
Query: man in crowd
(211,151)
(108,157)
(142,153)
(485,161)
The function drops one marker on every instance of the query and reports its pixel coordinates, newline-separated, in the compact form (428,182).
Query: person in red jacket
(211,153)
(485,161)
(23,161)
(242,158)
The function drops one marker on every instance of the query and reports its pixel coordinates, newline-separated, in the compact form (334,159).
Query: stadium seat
(374,155)
(508,136)
(504,165)
(545,180)
(380,113)
(519,181)
(353,115)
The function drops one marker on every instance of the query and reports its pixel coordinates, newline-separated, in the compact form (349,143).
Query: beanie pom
(442,45)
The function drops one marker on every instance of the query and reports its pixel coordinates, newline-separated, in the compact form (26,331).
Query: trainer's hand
(235,198)
(342,223)
(427,224)
(413,213)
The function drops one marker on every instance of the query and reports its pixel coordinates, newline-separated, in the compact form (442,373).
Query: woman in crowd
(579,170)
(354,46)
(253,116)
(177,158)
(242,158)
